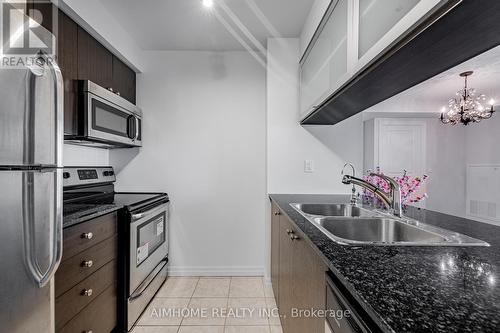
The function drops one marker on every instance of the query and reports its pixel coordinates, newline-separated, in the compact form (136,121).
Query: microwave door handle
(136,128)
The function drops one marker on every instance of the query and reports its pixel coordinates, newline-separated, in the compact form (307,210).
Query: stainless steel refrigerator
(31,143)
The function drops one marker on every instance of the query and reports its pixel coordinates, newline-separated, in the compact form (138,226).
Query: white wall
(204,144)
(482,141)
(446,168)
(449,150)
(74,155)
(290,144)
(316,13)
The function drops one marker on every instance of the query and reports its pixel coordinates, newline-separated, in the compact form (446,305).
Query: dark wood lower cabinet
(100,317)
(85,283)
(275,251)
(299,277)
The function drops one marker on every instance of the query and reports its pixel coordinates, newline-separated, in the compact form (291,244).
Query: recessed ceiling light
(208,3)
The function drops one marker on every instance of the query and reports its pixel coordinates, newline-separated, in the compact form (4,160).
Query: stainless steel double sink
(352,225)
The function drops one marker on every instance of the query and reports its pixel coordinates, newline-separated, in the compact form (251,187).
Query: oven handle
(158,208)
(144,285)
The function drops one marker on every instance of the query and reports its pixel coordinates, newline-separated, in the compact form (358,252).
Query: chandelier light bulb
(491,102)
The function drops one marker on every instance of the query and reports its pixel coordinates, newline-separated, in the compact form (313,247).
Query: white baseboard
(216,271)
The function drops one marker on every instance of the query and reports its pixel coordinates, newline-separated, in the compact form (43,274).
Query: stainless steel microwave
(105,119)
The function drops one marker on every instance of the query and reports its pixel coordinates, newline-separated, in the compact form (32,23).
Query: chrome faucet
(394,203)
(354,199)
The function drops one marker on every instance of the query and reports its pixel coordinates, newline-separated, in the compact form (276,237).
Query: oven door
(109,122)
(148,243)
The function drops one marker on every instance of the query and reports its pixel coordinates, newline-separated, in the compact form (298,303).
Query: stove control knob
(66,175)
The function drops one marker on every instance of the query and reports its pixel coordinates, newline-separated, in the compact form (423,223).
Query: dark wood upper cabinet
(81,57)
(95,62)
(67,58)
(123,80)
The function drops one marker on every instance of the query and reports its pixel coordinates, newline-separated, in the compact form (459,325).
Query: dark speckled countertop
(77,213)
(415,289)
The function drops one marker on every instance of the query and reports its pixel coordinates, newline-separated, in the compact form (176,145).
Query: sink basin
(390,231)
(344,210)
(381,230)
(353,225)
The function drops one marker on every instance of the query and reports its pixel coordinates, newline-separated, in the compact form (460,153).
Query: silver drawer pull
(87,235)
(288,231)
(87,263)
(89,331)
(276,213)
(294,237)
(87,292)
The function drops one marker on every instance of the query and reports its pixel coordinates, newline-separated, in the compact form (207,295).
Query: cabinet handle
(294,237)
(89,331)
(289,232)
(277,213)
(87,263)
(118,93)
(87,292)
(111,89)
(87,235)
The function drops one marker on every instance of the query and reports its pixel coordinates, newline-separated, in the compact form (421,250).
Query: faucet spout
(395,193)
(368,186)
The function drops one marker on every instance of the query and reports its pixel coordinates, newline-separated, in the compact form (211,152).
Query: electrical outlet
(308,166)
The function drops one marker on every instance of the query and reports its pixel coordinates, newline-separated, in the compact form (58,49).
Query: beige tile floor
(211,305)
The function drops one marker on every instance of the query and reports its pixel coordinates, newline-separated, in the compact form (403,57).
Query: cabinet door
(325,67)
(285,299)
(95,62)
(67,58)
(123,80)
(275,249)
(308,288)
(382,22)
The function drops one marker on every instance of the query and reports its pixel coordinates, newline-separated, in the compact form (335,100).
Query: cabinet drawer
(74,300)
(76,269)
(82,236)
(98,317)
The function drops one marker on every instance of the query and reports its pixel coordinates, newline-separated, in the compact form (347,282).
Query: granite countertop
(415,289)
(77,213)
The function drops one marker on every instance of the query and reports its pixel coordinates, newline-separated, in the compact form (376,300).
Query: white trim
(216,271)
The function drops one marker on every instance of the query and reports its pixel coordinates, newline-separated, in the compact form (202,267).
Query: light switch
(308,166)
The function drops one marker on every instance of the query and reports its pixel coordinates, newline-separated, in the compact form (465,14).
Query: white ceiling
(433,94)
(187,25)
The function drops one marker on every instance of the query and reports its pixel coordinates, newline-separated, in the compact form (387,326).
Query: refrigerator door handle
(56,238)
(59,105)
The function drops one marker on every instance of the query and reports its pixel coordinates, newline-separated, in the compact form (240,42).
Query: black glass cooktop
(89,201)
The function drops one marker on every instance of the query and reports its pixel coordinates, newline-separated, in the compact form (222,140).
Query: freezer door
(30,247)
(31,114)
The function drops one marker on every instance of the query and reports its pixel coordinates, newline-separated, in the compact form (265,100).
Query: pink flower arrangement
(409,186)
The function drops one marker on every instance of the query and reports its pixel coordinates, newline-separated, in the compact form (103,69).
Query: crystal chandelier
(467,107)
